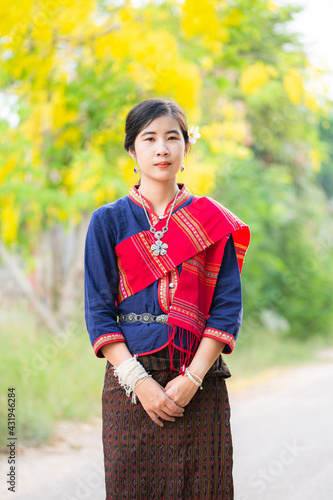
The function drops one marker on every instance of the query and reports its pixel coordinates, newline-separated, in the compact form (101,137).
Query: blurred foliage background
(70,72)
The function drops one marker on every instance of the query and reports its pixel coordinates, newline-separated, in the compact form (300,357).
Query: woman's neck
(159,194)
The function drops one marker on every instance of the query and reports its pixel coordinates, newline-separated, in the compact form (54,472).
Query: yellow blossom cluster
(198,175)
(293,84)
(233,17)
(272,6)
(46,43)
(231,135)
(255,76)
(167,75)
(196,16)
(315,159)
(298,92)
(9,218)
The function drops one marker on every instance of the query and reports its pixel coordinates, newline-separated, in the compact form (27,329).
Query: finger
(155,419)
(171,403)
(165,416)
(175,408)
(175,413)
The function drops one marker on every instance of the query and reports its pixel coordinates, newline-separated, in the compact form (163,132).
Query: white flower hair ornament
(193,134)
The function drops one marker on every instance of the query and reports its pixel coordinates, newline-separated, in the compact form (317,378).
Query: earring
(182,168)
(136,168)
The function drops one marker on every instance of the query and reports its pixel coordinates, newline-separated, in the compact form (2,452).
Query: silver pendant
(158,247)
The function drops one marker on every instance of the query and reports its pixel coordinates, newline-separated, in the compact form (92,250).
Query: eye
(151,138)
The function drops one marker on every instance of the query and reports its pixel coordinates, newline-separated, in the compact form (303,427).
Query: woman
(168,264)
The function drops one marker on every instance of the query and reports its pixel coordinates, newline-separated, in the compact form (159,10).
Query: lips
(163,164)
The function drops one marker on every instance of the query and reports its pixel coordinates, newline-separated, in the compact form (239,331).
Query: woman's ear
(132,154)
(187,147)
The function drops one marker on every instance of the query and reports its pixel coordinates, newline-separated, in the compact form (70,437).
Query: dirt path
(282,435)
(71,469)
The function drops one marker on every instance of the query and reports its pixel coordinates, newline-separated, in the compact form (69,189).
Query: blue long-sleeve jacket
(109,225)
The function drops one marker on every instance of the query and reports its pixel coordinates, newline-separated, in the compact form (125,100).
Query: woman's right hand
(156,403)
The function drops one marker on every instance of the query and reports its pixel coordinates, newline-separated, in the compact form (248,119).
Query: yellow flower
(199,177)
(197,16)
(9,219)
(293,85)
(315,159)
(229,111)
(234,17)
(272,7)
(235,130)
(253,78)
(311,102)
(207,63)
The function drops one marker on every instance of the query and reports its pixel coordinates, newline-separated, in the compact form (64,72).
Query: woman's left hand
(181,390)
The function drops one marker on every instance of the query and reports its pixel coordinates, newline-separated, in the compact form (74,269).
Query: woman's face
(161,141)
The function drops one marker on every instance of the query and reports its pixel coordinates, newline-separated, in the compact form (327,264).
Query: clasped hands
(167,402)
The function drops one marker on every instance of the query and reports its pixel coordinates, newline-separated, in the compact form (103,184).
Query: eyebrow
(168,132)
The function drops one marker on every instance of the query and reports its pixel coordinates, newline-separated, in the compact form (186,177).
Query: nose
(162,148)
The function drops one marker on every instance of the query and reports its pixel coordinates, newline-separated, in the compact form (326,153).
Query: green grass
(55,382)
(260,350)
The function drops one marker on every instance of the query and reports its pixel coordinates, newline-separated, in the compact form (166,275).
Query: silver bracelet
(145,378)
(191,376)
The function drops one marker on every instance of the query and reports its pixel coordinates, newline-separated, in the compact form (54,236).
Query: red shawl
(196,237)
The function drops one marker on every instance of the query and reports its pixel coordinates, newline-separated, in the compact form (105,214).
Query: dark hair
(145,112)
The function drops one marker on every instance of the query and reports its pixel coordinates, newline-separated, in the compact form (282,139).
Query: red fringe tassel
(187,355)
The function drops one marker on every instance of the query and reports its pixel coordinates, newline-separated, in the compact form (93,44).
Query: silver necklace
(158,248)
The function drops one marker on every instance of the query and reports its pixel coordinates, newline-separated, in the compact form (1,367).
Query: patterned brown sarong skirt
(190,458)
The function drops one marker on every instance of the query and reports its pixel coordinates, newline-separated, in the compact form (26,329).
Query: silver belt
(144,317)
